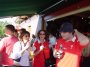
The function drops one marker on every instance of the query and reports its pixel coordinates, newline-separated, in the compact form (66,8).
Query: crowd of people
(17,49)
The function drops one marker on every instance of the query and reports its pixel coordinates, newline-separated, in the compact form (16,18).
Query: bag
(47,63)
(31,54)
(18,60)
(52,58)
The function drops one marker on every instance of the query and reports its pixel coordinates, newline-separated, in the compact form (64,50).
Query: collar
(39,41)
(73,39)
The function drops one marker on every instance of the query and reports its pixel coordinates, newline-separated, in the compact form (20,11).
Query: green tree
(2,26)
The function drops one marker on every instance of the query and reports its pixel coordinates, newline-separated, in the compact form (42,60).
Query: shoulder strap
(21,45)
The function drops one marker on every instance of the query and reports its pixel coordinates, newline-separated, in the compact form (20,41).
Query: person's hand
(27,45)
(41,47)
(33,48)
(25,48)
(84,40)
(75,31)
(59,54)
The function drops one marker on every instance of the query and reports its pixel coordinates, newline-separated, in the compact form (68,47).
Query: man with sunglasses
(69,47)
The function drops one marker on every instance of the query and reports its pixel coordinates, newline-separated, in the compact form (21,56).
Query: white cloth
(41,47)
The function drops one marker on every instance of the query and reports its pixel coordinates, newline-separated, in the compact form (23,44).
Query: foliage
(2,25)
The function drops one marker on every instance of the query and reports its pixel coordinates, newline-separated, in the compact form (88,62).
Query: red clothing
(72,52)
(6,46)
(39,59)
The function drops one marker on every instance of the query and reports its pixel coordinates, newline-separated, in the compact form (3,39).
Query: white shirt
(24,61)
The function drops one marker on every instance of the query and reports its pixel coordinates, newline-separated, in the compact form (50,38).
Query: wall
(33,24)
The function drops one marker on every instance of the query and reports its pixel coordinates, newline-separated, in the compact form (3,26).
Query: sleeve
(33,48)
(80,45)
(16,49)
(35,45)
(2,45)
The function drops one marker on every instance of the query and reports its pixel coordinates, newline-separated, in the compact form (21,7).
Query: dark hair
(22,30)
(23,33)
(33,36)
(10,27)
(15,31)
(45,34)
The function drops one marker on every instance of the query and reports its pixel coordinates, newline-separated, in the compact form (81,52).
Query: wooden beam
(81,6)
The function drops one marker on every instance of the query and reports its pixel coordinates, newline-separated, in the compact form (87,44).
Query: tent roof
(28,7)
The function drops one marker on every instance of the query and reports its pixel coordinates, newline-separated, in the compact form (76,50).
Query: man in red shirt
(68,49)
(6,46)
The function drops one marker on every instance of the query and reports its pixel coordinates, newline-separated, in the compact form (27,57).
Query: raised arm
(82,38)
(38,51)
(25,48)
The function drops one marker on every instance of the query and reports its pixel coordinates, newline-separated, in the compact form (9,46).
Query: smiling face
(26,37)
(42,35)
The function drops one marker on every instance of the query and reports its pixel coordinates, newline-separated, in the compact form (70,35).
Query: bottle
(60,51)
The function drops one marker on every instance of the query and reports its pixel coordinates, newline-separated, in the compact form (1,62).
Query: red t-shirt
(39,59)
(6,46)
(72,52)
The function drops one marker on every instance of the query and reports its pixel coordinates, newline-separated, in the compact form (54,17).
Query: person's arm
(25,48)
(38,51)
(82,38)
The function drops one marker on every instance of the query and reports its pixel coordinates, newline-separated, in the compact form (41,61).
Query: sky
(10,20)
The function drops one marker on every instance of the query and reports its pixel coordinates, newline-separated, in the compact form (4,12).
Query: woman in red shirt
(41,51)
